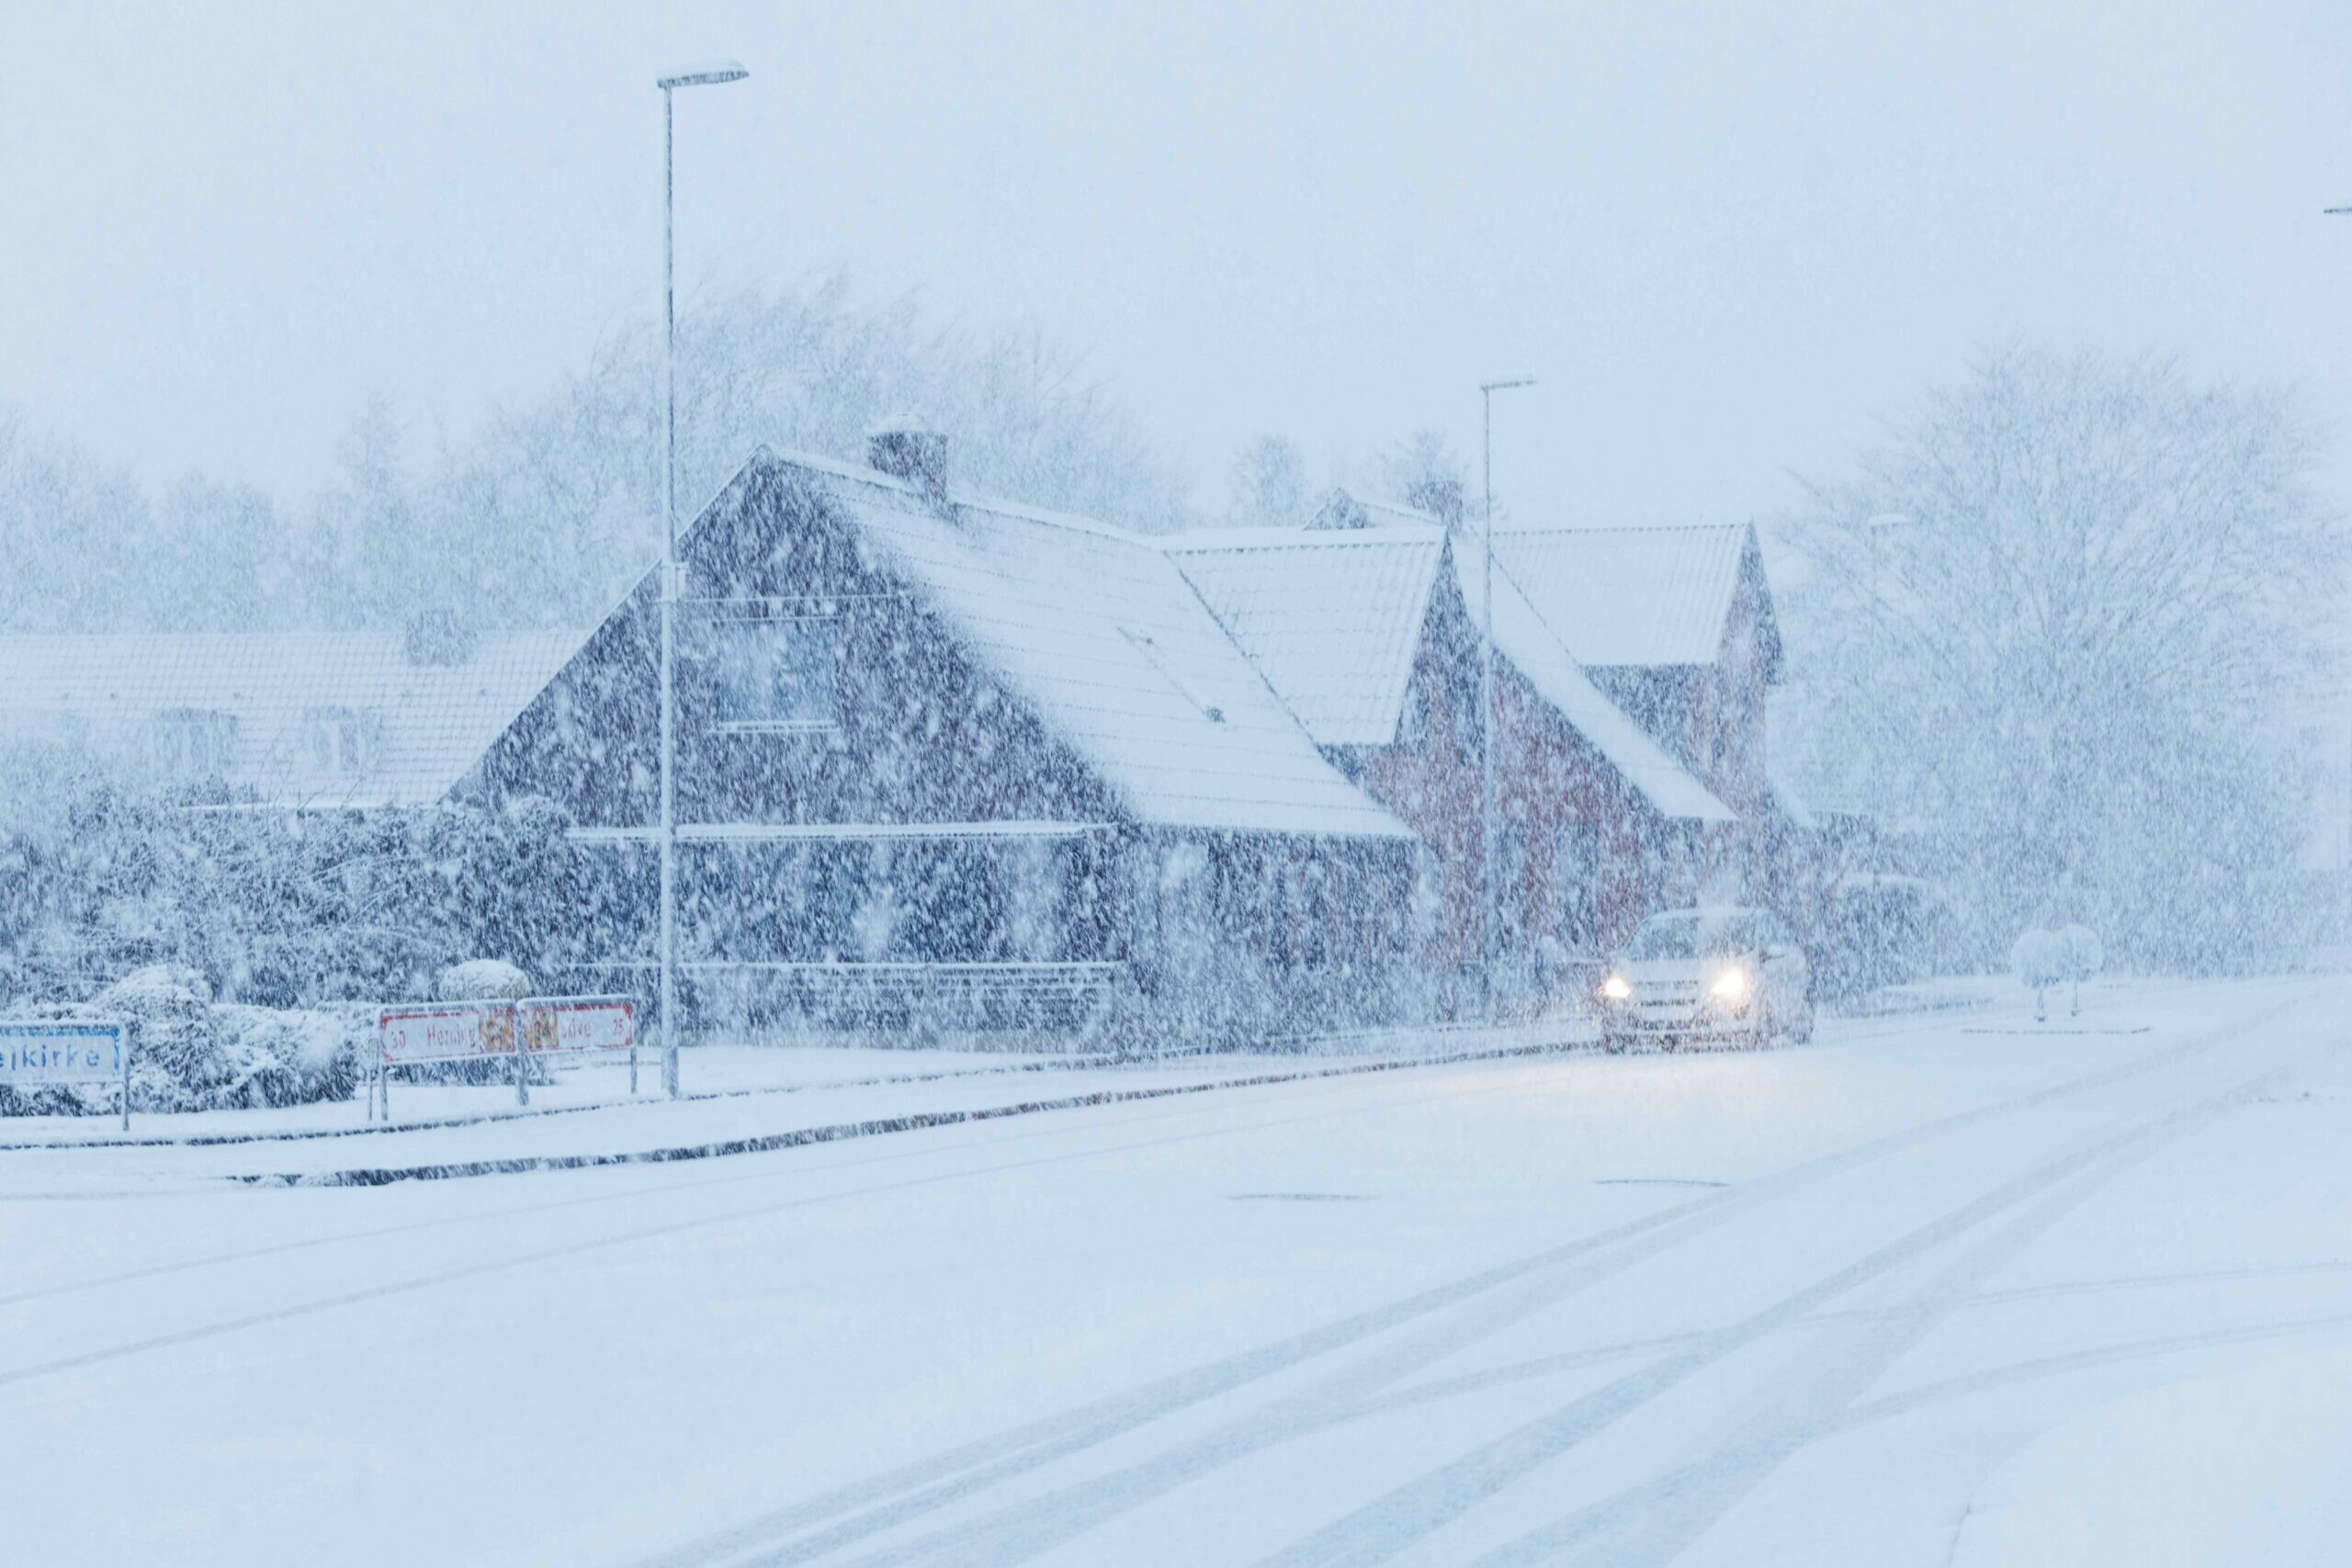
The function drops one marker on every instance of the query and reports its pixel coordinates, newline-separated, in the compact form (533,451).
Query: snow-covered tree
(73,529)
(2051,621)
(1423,471)
(545,514)
(1266,484)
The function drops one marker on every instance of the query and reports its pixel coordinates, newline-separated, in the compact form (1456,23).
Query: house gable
(919,730)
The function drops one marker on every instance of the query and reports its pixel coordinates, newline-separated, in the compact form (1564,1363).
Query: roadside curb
(495,1118)
(840,1131)
(1087,1062)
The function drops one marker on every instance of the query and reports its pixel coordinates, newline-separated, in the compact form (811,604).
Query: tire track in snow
(1378,1531)
(704,1221)
(480,1216)
(847,1515)
(1653,1523)
(604,1199)
(1991,1379)
(1575,1360)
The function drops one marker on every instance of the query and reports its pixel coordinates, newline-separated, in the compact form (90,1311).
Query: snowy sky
(1723,241)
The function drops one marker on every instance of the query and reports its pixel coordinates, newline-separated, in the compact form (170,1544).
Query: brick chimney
(907,448)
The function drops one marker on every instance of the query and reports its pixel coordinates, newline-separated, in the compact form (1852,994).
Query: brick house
(1676,626)
(1369,627)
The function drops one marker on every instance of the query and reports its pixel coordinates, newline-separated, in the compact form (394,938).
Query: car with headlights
(1686,976)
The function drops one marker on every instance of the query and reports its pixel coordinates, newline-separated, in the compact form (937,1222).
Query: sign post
(443,1032)
(580,1023)
(36,1052)
(464,1031)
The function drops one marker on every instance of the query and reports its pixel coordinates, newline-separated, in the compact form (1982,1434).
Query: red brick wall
(1546,776)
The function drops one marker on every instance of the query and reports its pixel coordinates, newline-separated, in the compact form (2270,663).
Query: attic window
(1144,645)
(340,742)
(193,743)
(776,673)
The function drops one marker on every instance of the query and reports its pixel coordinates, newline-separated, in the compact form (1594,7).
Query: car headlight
(1616,989)
(1731,985)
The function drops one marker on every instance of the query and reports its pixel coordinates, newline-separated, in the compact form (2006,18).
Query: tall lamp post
(714,74)
(2343,850)
(1876,528)
(1487,917)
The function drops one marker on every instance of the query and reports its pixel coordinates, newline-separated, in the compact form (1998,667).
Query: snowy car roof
(1527,641)
(1096,627)
(1630,595)
(1332,617)
(270,706)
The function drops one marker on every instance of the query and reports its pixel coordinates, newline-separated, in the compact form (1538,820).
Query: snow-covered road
(1884,1300)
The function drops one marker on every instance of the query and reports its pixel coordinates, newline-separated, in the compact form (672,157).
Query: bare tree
(547,514)
(1424,471)
(2054,618)
(1266,487)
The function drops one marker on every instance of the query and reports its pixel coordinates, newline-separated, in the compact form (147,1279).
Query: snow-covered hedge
(482,980)
(189,1053)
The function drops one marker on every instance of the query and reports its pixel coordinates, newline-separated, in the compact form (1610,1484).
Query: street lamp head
(708,74)
(1501,386)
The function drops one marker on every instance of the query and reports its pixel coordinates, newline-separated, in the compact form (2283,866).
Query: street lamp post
(714,74)
(1875,528)
(1487,917)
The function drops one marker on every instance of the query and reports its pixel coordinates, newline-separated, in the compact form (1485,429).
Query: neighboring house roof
(1790,803)
(1104,636)
(1334,616)
(1523,638)
(421,727)
(1330,617)
(1637,596)
(1344,509)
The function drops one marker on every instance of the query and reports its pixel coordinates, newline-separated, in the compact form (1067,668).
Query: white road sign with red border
(447,1032)
(579,1023)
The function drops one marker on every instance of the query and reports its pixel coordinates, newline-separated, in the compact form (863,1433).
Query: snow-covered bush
(2046,958)
(2042,958)
(178,1060)
(103,873)
(191,1053)
(2085,953)
(482,980)
(292,1057)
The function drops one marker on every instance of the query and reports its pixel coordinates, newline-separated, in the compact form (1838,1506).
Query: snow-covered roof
(1790,803)
(1630,595)
(1331,616)
(1099,632)
(1345,508)
(268,710)
(1524,638)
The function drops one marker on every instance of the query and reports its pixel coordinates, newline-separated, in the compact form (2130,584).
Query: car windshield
(1690,935)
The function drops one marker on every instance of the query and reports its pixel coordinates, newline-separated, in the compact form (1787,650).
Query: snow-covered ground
(1950,1287)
